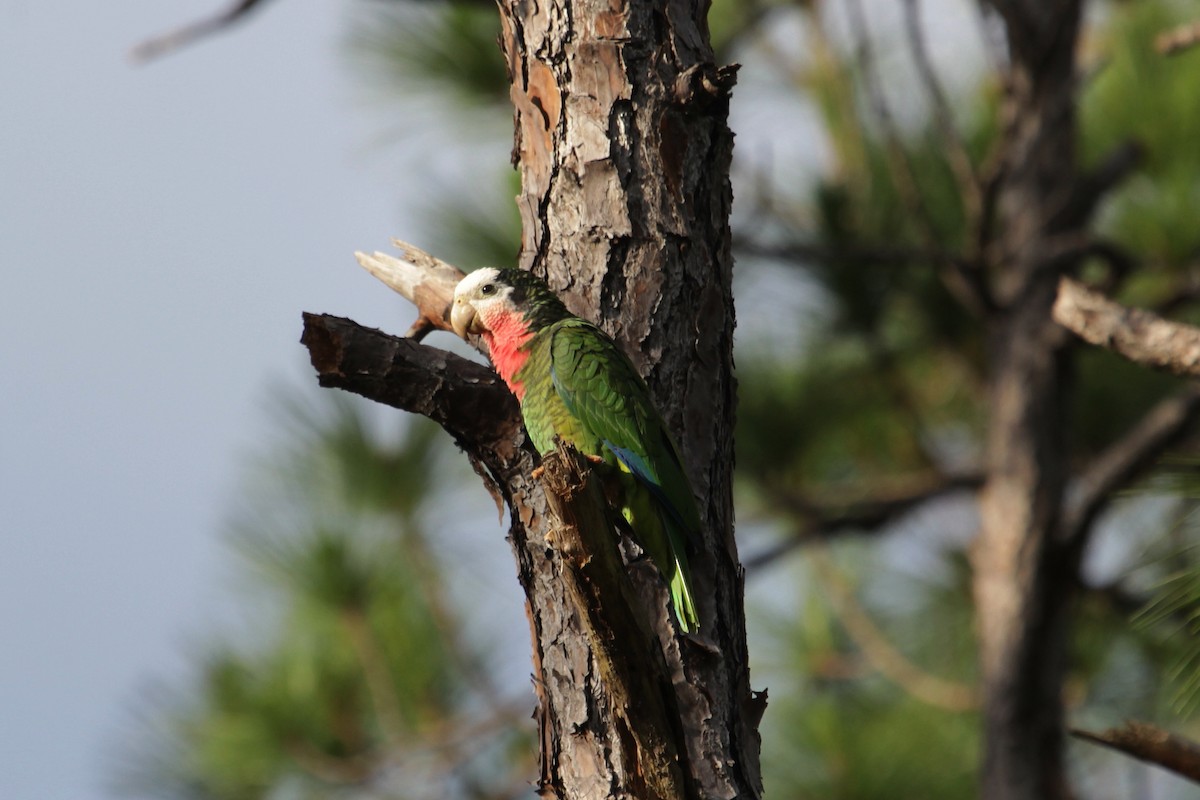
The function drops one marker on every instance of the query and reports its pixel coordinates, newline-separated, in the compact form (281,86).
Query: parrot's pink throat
(506,332)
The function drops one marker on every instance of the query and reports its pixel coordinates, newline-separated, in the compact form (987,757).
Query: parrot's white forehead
(469,285)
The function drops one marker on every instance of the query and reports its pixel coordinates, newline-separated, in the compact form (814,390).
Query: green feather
(580,387)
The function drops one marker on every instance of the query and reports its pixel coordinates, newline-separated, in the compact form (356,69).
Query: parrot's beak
(462,318)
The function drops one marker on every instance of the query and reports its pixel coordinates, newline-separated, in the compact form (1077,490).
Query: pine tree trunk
(1025,572)
(623,149)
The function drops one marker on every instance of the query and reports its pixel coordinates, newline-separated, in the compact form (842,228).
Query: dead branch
(173,40)
(467,399)
(1178,39)
(965,282)
(1137,334)
(864,516)
(882,655)
(1127,459)
(1151,744)
(959,159)
(424,280)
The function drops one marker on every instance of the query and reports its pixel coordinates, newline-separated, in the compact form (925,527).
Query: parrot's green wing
(604,393)
(599,386)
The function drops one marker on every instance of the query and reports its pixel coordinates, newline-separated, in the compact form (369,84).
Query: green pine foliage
(837,729)
(1136,93)
(449,50)
(1170,619)
(478,230)
(1176,606)
(356,666)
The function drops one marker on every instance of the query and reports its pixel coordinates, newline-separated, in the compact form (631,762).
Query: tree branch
(175,39)
(184,35)
(1127,459)
(886,659)
(424,280)
(467,399)
(1137,334)
(866,516)
(967,177)
(1151,744)
(993,172)
(1094,185)
(1177,39)
(1065,252)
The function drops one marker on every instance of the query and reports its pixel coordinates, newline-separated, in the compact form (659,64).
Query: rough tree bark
(623,149)
(1024,572)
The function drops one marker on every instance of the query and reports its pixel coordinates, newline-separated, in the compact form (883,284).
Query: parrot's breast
(506,333)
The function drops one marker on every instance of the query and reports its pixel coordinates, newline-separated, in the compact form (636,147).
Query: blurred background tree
(356,671)
(865,367)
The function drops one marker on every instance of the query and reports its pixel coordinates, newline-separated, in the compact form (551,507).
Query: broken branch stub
(1151,744)
(423,279)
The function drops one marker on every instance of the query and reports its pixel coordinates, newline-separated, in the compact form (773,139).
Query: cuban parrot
(575,383)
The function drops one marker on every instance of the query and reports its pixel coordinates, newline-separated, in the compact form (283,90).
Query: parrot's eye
(487,288)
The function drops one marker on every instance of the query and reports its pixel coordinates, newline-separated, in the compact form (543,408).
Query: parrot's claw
(594,459)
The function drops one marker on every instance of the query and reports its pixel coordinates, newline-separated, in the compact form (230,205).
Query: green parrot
(574,382)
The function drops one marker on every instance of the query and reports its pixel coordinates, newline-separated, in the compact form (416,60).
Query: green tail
(681,599)
(664,543)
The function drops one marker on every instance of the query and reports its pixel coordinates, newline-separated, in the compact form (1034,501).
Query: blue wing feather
(638,467)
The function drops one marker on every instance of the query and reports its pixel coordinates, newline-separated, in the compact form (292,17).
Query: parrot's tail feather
(681,599)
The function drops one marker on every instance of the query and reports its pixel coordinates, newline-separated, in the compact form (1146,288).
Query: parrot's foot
(594,459)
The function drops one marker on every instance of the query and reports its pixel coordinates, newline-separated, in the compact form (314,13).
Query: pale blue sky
(161,229)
